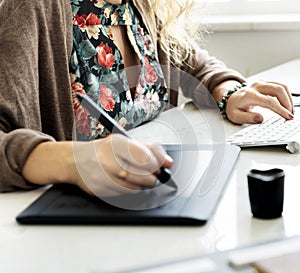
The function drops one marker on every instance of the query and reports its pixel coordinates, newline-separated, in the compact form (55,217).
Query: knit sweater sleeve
(202,73)
(22,125)
(14,150)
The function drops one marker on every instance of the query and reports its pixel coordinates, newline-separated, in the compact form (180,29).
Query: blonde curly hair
(177,32)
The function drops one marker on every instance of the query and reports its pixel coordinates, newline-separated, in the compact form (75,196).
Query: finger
(288,92)
(274,105)
(148,179)
(279,91)
(129,185)
(134,181)
(161,155)
(126,176)
(129,177)
(244,117)
(139,157)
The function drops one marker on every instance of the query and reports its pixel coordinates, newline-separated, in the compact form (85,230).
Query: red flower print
(105,55)
(107,99)
(90,24)
(82,121)
(80,20)
(81,114)
(92,20)
(151,76)
(76,88)
(86,20)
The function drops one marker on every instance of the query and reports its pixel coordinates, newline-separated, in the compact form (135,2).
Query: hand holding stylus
(142,162)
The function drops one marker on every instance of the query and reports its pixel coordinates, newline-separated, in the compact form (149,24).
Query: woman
(42,69)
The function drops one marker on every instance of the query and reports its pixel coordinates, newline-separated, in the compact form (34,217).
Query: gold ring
(123,172)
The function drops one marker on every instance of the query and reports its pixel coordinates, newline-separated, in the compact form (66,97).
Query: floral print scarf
(97,67)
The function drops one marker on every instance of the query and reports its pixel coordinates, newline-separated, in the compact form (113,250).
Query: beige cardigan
(35,100)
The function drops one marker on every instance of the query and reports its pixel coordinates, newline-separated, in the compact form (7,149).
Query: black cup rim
(266,175)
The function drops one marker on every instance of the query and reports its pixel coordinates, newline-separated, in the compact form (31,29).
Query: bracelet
(222,105)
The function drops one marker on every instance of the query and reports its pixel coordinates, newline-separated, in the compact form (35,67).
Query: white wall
(251,51)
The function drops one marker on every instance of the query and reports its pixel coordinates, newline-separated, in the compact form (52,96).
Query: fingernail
(291,116)
(168,158)
(258,119)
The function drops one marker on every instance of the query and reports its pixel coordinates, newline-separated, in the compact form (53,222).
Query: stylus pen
(114,127)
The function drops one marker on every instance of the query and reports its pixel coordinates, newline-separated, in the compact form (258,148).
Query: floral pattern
(97,68)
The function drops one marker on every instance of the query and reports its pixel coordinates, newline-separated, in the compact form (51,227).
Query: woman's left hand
(271,95)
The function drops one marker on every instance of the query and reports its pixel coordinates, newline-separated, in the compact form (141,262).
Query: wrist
(221,89)
(50,163)
(222,104)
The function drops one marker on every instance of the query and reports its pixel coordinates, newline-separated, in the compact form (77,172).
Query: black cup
(266,191)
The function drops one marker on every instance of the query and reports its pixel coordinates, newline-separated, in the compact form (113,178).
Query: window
(239,7)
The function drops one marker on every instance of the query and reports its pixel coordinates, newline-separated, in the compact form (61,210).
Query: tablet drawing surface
(201,173)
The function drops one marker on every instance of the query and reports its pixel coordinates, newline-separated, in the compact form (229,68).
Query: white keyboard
(273,131)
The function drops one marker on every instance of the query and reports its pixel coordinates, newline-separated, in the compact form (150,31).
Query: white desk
(82,249)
